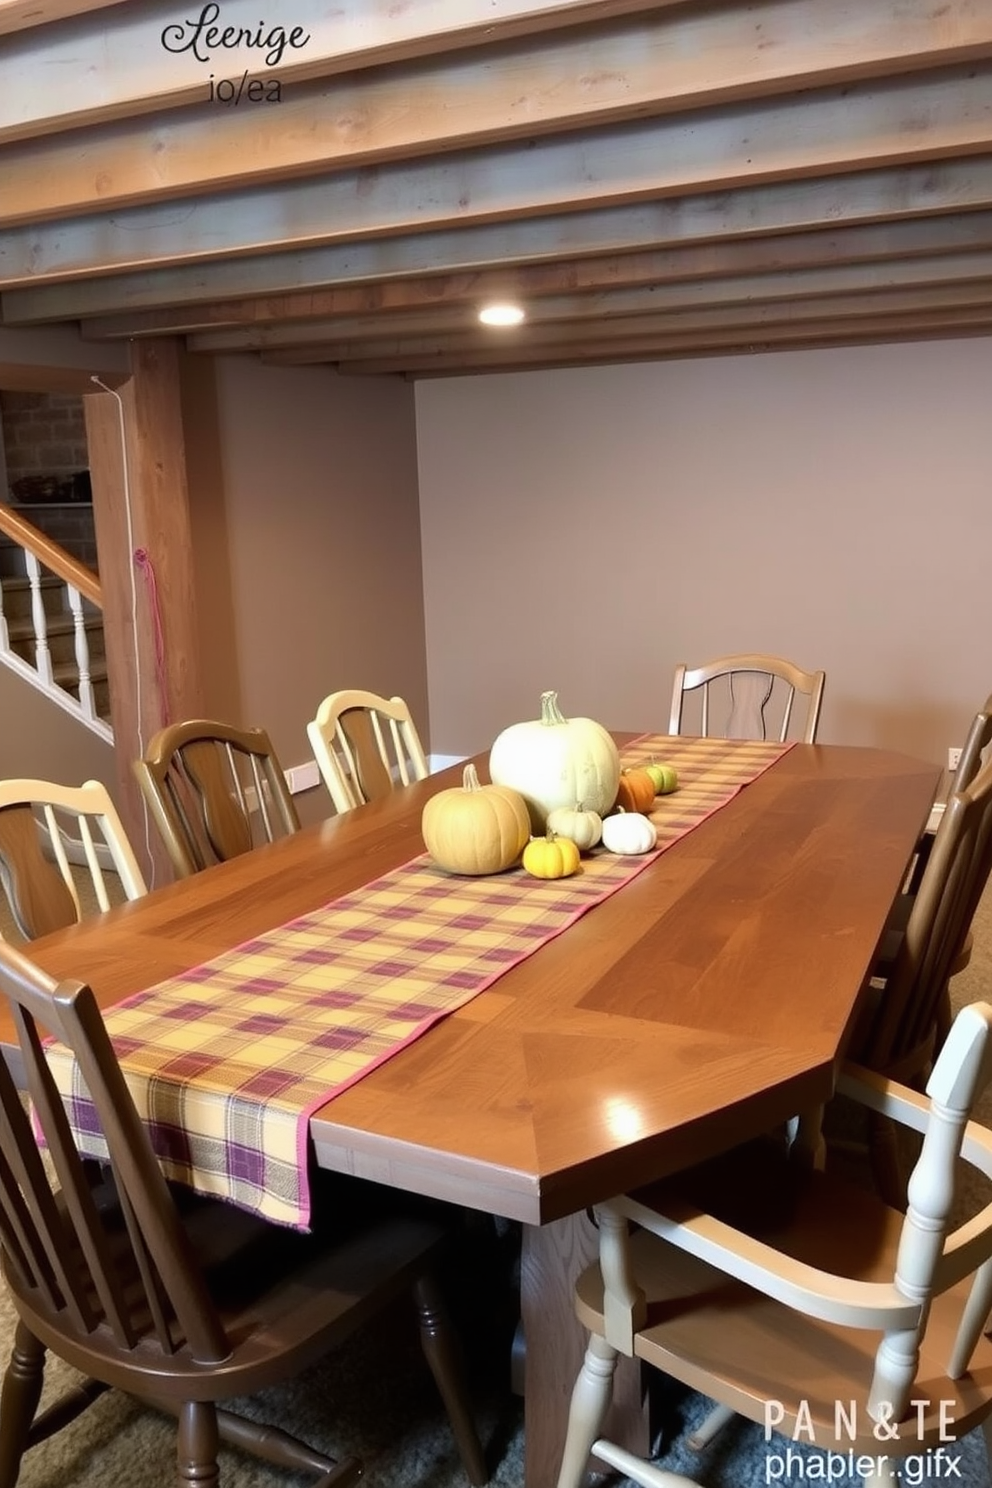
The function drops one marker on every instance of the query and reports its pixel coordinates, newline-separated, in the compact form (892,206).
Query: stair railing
(43,556)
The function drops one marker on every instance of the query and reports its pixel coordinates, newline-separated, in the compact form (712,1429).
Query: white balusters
(87,698)
(27,639)
(39,619)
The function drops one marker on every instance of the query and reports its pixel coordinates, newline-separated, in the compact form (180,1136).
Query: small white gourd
(584,828)
(629,833)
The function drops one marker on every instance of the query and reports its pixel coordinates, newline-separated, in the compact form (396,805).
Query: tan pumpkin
(474,828)
(635,791)
(551,856)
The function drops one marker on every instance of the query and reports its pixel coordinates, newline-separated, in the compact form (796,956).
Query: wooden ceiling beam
(924,273)
(874,242)
(864,197)
(656,64)
(21,15)
(149,56)
(789,139)
(962,302)
(721,341)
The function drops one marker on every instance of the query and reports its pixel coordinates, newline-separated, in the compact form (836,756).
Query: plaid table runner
(228,1061)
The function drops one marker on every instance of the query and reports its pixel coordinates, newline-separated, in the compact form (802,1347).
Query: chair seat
(267,1283)
(737,1346)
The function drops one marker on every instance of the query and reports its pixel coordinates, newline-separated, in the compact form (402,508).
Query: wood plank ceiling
(348,184)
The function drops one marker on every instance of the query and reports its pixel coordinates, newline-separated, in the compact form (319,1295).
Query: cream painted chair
(215,791)
(364,746)
(46,831)
(746,691)
(829,1297)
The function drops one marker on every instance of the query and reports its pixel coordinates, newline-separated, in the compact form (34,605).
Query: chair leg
(883,1474)
(19,1401)
(886,1169)
(716,1419)
(440,1345)
(590,1401)
(197,1443)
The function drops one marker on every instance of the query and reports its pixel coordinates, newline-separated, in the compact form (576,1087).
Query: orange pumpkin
(636,791)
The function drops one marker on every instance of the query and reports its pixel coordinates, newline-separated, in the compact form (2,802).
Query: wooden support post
(553,1256)
(141,507)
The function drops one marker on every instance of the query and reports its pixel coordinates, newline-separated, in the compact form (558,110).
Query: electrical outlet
(303,777)
(953,756)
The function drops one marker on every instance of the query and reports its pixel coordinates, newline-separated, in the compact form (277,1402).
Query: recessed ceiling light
(501,315)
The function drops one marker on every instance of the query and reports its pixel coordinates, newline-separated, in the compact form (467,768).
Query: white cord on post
(134,611)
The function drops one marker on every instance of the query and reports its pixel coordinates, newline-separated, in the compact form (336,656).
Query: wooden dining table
(705,1002)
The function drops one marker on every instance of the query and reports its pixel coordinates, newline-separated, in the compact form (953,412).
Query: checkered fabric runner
(228,1061)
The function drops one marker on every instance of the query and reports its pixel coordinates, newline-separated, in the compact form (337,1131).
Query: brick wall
(43,434)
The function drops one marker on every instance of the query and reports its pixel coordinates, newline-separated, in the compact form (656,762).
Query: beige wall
(588,529)
(41,742)
(303,494)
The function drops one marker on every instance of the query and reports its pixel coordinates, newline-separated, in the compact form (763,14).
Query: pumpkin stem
(470,779)
(550,711)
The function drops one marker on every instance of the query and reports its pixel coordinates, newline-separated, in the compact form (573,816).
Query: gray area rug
(375,1397)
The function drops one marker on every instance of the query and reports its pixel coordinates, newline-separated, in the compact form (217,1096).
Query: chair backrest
(47,830)
(974,748)
(215,791)
(80,1253)
(364,745)
(747,693)
(953,881)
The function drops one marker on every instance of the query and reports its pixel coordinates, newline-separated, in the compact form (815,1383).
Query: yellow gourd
(551,856)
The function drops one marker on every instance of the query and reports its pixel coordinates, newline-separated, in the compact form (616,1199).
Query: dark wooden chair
(906,1016)
(41,824)
(214,791)
(178,1300)
(746,691)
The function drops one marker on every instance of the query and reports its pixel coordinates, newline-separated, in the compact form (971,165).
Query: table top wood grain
(707,1000)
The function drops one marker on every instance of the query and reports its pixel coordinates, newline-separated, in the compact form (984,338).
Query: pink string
(144,563)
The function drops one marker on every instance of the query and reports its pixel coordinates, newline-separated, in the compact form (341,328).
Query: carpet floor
(375,1398)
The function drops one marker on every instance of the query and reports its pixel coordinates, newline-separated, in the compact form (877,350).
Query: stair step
(22,629)
(17,597)
(66,675)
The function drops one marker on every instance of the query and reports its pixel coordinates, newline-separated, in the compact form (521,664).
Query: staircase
(51,620)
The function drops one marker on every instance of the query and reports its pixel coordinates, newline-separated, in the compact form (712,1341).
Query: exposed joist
(643,65)
(969,301)
(875,242)
(20,15)
(923,273)
(141,60)
(832,132)
(817,336)
(869,196)
(722,341)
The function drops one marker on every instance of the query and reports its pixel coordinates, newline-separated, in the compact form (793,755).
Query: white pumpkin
(583,827)
(629,833)
(555,761)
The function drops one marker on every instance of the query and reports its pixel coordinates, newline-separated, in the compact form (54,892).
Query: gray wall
(588,529)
